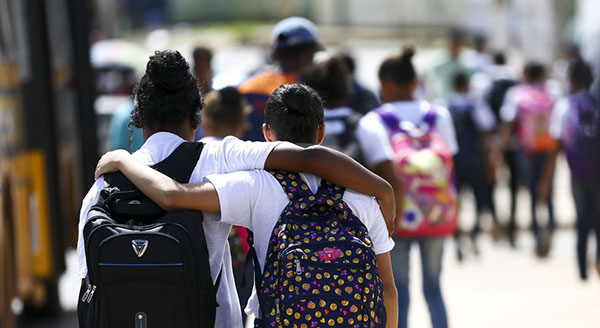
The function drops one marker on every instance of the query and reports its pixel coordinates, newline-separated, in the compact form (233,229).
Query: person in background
(123,134)
(479,59)
(203,72)
(474,164)
(203,68)
(361,99)
(575,123)
(225,114)
(294,44)
(452,64)
(332,81)
(427,175)
(119,80)
(528,107)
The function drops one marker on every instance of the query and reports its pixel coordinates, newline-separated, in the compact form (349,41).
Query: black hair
(202,52)
(330,79)
(479,41)
(580,74)
(456,34)
(295,113)
(285,53)
(225,107)
(499,58)
(534,71)
(167,95)
(350,63)
(399,69)
(460,81)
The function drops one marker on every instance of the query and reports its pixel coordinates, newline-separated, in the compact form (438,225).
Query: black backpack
(495,96)
(147,266)
(341,125)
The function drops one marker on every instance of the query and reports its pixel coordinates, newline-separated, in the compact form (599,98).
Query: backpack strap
(430,118)
(389,119)
(393,123)
(292,184)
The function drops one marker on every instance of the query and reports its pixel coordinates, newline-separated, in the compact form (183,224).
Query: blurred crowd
(482,115)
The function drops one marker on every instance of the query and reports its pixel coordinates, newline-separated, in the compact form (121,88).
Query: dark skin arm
(324,162)
(547,173)
(390,293)
(387,171)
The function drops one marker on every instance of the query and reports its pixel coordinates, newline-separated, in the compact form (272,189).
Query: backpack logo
(139,246)
(329,254)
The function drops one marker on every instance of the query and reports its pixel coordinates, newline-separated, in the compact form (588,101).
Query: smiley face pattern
(320,269)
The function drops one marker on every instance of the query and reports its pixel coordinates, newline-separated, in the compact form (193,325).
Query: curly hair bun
(297,99)
(168,70)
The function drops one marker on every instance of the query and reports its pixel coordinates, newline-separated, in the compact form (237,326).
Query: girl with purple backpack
(575,123)
(410,143)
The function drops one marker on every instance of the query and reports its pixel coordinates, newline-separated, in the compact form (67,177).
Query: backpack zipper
(298,267)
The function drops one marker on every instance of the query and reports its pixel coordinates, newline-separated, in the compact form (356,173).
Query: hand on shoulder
(110,162)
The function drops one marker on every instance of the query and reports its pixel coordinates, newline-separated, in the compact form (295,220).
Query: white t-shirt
(255,200)
(374,135)
(559,118)
(229,155)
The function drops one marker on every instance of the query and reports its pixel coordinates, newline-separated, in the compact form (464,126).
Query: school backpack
(425,166)
(147,267)
(495,95)
(340,125)
(581,139)
(534,110)
(467,134)
(320,269)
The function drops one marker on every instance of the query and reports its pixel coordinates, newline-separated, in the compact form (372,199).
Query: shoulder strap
(430,118)
(389,119)
(292,184)
(181,163)
(330,189)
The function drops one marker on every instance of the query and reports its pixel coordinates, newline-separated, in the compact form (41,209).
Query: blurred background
(67,68)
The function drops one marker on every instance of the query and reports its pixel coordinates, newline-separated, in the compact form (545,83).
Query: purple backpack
(581,139)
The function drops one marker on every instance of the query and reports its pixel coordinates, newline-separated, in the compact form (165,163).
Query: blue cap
(294,31)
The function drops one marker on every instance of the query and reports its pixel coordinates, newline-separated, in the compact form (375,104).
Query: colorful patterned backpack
(425,166)
(320,269)
(535,108)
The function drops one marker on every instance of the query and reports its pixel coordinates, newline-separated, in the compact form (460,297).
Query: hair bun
(168,70)
(230,96)
(297,100)
(408,51)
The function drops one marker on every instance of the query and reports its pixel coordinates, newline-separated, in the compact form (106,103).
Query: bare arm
(387,171)
(547,173)
(390,294)
(166,192)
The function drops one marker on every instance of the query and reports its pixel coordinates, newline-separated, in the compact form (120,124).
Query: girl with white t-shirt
(167,109)
(398,82)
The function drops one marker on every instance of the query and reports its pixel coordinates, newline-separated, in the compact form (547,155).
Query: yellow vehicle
(47,146)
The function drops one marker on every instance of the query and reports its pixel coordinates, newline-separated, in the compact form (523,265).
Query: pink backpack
(534,110)
(425,166)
